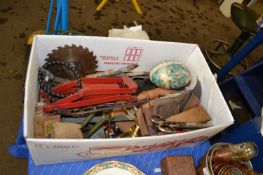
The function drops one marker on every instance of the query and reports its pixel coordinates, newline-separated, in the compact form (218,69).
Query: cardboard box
(112,53)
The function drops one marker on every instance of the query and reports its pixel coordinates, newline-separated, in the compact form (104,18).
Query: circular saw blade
(84,59)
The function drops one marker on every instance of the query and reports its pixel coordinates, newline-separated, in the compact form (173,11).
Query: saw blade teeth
(65,47)
(82,56)
(73,46)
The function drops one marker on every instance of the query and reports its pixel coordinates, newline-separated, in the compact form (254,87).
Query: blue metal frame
(51,7)
(237,58)
(19,149)
(61,20)
(65,15)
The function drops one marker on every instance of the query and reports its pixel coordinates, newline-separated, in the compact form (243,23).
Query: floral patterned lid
(113,168)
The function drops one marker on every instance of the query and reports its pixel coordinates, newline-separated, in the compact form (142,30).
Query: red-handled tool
(93,91)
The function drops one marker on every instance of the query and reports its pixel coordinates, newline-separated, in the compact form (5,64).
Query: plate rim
(114,164)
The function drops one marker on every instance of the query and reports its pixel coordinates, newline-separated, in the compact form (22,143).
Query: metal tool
(115,72)
(87,120)
(82,57)
(97,126)
(107,107)
(172,127)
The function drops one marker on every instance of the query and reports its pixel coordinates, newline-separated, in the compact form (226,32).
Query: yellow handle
(137,7)
(101,5)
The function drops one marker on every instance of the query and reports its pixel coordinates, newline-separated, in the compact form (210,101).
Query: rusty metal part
(113,73)
(82,57)
(170,127)
(79,112)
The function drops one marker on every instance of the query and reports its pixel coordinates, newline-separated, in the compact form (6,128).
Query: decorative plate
(113,168)
(170,75)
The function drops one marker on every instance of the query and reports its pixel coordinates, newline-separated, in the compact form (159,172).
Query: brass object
(30,39)
(122,115)
(82,57)
(133,132)
(236,152)
(229,159)
(234,168)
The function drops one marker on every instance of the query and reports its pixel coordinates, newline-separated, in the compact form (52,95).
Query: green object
(87,120)
(97,126)
(170,75)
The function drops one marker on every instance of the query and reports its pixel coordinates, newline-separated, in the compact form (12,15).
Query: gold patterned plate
(113,168)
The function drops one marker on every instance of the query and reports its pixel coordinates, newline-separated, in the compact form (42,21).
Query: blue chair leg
(64,15)
(249,47)
(19,149)
(51,7)
(58,17)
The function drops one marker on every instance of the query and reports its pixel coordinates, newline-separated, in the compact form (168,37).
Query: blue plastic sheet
(149,163)
(19,148)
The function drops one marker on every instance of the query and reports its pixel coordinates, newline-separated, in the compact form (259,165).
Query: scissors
(172,127)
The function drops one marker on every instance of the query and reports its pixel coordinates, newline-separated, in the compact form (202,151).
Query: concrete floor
(167,20)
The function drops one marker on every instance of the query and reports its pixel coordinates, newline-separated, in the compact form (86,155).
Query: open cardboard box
(113,53)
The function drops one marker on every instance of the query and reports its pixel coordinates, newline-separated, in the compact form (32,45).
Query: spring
(46,83)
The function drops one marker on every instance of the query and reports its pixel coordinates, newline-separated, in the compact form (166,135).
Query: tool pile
(76,101)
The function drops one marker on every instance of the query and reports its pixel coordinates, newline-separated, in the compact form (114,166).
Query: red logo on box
(125,149)
(133,54)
